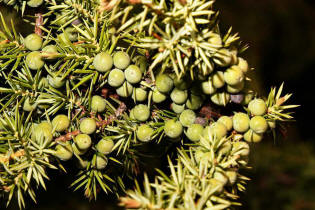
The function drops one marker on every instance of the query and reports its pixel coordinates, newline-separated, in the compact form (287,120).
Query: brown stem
(38,23)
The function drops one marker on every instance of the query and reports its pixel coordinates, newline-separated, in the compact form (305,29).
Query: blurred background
(281,36)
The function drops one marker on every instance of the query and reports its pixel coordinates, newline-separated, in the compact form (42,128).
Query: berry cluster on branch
(99,80)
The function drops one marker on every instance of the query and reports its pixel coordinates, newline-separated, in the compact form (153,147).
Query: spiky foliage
(107,70)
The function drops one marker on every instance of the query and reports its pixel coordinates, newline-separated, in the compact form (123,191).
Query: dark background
(281,35)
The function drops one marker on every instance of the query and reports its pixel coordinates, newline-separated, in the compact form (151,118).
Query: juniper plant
(101,79)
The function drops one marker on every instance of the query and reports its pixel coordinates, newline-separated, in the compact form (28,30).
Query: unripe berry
(227,121)
(218,130)
(251,136)
(158,97)
(179,96)
(241,122)
(232,176)
(33,42)
(241,148)
(223,57)
(257,107)
(88,126)
(78,151)
(164,83)
(56,81)
(235,88)
(177,108)
(140,95)
(218,79)
(141,61)
(187,117)
(61,122)
(103,62)
(83,141)
(182,83)
(215,40)
(216,185)
(133,74)
(258,124)
(121,60)
(105,146)
(28,106)
(194,132)
(221,177)
(116,78)
(220,98)
(207,87)
(173,129)
(272,124)
(242,63)
(98,104)
(194,102)
(125,90)
(248,97)
(34,60)
(144,133)
(141,112)
(64,152)
(101,162)
(233,75)
(34,3)
(42,132)
(49,52)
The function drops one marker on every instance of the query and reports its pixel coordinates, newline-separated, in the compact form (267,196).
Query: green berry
(64,152)
(33,42)
(105,146)
(187,117)
(158,97)
(34,60)
(164,83)
(221,99)
(272,124)
(223,57)
(78,151)
(177,108)
(133,74)
(101,162)
(121,60)
(194,132)
(248,97)
(141,112)
(125,90)
(116,78)
(258,124)
(243,65)
(207,87)
(217,185)
(235,88)
(179,96)
(72,34)
(202,156)
(28,106)
(42,132)
(257,107)
(83,141)
(226,148)
(34,3)
(241,122)
(233,75)
(215,40)
(218,130)
(82,164)
(140,94)
(63,38)
(227,121)
(103,62)
(56,81)
(194,102)
(88,126)
(241,148)
(221,177)
(144,133)
(173,129)
(49,52)
(251,136)
(131,115)
(61,122)
(98,104)
(218,79)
